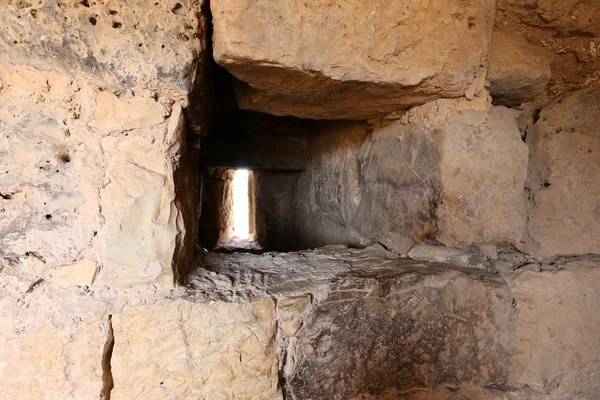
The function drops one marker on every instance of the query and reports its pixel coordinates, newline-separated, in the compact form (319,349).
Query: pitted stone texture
(557,334)
(87,174)
(184,350)
(352,59)
(51,169)
(518,71)
(133,44)
(564,177)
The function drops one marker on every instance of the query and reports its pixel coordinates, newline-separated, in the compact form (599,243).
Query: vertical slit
(107,378)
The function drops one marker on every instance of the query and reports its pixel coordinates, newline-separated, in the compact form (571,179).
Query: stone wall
(456,144)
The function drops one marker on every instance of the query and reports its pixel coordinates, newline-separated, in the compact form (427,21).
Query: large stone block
(142,223)
(453,168)
(483,170)
(564,177)
(557,336)
(327,191)
(518,71)
(183,350)
(401,326)
(351,59)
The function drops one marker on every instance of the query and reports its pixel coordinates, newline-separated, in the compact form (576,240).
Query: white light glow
(241,205)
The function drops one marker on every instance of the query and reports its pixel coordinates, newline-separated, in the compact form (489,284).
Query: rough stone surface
(92,139)
(556,337)
(51,347)
(365,322)
(182,350)
(355,60)
(566,18)
(382,330)
(451,168)
(564,176)
(482,178)
(327,192)
(569,28)
(131,45)
(518,69)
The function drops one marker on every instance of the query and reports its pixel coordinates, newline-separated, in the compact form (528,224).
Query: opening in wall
(227,221)
(241,205)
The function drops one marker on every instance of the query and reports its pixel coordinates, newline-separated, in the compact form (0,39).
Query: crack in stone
(107,378)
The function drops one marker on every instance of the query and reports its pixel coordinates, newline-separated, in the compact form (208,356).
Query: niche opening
(228,213)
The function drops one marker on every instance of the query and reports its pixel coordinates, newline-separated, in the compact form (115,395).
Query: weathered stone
(81,273)
(564,171)
(184,350)
(482,178)
(371,335)
(557,338)
(324,200)
(51,169)
(518,70)
(130,45)
(459,169)
(126,114)
(471,158)
(451,168)
(51,346)
(141,230)
(355,60)
(565,18)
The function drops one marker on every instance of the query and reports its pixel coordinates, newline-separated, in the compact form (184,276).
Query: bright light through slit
(241,206)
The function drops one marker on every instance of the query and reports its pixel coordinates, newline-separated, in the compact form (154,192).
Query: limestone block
(183,350)
(518,69)
(454,168)
(377,335)
(133,44)
(557,338)
(398,167)
(451,168)
(564,177)
(41,358)
(140,226)
(351,59)
(482,177)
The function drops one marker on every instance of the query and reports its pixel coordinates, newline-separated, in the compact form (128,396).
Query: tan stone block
(519,70)
(47,360)
(183,350)
(558,326)
(564,176)
(351,59)
(81,273)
